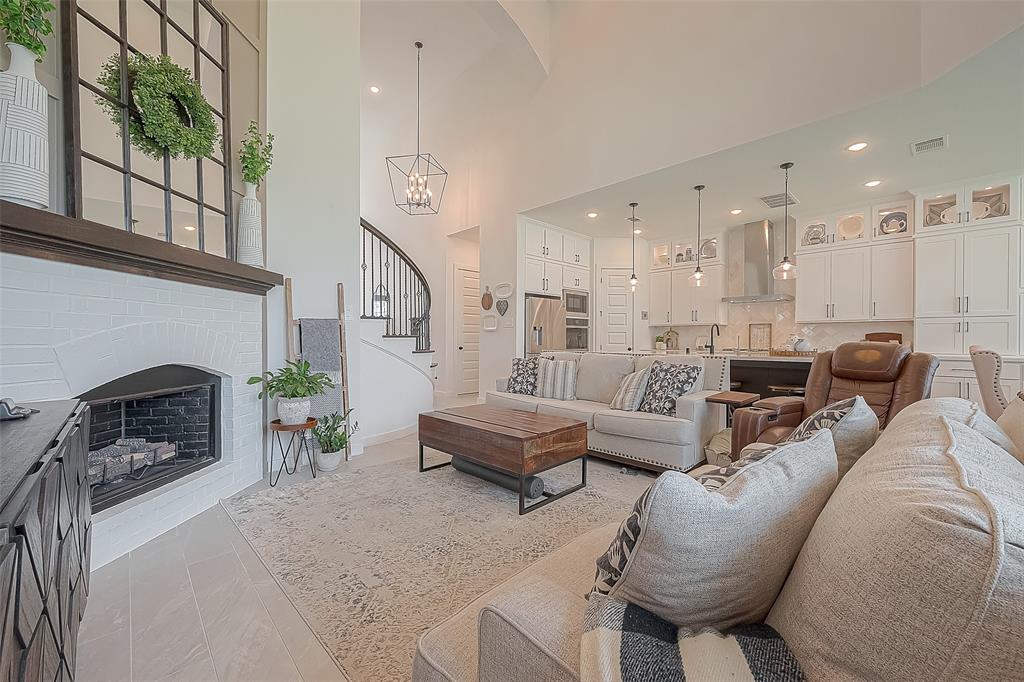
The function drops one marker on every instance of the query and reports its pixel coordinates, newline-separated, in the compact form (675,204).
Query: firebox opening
(150,428)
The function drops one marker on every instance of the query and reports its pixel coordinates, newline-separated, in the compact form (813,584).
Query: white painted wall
(313,190)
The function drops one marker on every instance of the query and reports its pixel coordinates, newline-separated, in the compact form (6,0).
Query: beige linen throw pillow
(1011,421)
(716,555)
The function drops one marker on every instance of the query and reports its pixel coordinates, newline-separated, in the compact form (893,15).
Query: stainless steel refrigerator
(545,324)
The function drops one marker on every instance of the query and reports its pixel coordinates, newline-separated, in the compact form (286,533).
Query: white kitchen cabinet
(939,279)
(980,203)
(575,278)
(660,298)
(543,277)
(812,287)
(892,219)
(543,241)
(661,255)
(575,250)
(850,285)
(990,262)
(707,299)
(939,335)
(892,281)
(956,335)
(682,298)
(946,387)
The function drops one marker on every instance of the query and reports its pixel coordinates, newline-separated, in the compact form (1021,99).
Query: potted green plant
(23,177)
(659,342)
(293,385)
(256,156)
(332,434)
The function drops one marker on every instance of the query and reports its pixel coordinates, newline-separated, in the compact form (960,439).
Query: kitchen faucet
(711,343)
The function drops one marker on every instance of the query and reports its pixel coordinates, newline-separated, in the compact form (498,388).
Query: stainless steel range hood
(758,242)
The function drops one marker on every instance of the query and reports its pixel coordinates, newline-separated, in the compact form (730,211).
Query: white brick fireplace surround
(65,329)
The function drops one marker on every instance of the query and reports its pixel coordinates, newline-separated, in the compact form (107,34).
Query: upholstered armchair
(888,375)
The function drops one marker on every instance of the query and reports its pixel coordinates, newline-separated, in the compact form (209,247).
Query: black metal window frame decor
(74,86)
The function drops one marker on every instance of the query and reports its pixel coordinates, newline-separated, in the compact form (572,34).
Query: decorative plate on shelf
(814,234)
(893,222)
(949,215)
(851,227)
(980,210)
(709,248)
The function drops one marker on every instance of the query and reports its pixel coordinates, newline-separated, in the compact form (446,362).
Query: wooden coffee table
(513,442)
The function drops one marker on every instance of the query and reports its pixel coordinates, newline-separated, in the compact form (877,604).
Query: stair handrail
(397,326)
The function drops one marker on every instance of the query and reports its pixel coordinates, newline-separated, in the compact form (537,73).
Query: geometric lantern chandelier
(417,180)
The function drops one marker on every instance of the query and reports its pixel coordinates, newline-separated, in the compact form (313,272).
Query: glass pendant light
(697,278)
(785,269)
(632,227)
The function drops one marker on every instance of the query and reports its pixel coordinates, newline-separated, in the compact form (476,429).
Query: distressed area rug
(375,556)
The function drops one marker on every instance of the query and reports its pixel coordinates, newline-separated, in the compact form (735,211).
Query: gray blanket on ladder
(320,346)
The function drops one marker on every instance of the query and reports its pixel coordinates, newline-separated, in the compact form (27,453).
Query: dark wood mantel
(31,232)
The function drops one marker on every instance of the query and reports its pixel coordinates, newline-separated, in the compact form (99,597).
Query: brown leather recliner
(889,377)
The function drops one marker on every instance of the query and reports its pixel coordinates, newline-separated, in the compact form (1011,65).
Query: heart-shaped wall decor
(502,306)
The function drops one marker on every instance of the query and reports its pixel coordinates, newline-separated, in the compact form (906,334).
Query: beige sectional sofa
(920,549)
(651,440)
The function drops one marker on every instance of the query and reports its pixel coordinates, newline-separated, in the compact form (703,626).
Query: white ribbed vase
(24,132)
(250,229)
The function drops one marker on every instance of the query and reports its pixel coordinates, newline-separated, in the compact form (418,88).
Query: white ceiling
(980,105)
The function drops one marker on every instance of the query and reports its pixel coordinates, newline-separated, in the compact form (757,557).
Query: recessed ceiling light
(638,231)
(190,228)
(592,214)
(736,211)
(374,89)
(872,183)
(989,187)
(857,147)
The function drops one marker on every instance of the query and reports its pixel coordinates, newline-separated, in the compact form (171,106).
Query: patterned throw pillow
(631,391)
(667,382)
(557,379)
(854,427)
(622,641)
(523,379)
(735,566)
(755,452)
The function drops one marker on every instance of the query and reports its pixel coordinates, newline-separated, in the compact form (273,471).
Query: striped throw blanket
(624,643)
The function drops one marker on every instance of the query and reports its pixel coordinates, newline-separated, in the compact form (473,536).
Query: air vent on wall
(931,145)
(778,200)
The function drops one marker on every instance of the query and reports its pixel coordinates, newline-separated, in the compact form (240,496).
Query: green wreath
(166,110)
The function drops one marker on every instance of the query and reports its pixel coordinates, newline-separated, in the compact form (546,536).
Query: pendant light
(785,269)
(632,228)
(417,180)
(697,278)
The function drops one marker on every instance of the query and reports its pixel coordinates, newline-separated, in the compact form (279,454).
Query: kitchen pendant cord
(419,51)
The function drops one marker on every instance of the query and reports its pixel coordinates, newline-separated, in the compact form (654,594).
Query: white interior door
(467,330)
(614,311)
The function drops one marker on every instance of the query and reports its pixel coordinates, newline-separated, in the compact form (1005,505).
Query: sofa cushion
(556,379)
(523,379)
(958,410)
(631,391)
(599,376)
(449,650)
(583,410)
(512,401)
(1011,421)
(623,642)
(701,558)
(667,382)
(854,427)
(915,566)
(646,426)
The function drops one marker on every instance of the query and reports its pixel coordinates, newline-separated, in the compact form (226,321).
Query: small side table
(732,400)
(295,431)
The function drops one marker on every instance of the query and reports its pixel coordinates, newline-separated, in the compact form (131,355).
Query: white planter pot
(24,132)
(250,229)
(293,410)
(328,461)
(659,345)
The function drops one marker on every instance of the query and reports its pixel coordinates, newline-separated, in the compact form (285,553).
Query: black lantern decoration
(417,180)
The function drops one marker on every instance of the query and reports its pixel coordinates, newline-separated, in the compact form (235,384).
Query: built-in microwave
(577,304)
(577,333)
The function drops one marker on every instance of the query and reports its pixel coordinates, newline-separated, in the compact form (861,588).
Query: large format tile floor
(196,604)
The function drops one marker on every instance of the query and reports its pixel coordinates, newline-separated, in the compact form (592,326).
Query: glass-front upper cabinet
(892,219)
(851,226)
(661,255)
(814,233)
(683,253)
(981,202)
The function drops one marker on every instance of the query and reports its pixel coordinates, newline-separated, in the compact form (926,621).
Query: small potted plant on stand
(293,385)
(24,178)
(256,156)
(332,434)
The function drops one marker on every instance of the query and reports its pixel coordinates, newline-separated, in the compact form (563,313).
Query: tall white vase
(250,229)
(24,133)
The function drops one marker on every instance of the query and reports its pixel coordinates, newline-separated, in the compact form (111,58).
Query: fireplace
(150,428)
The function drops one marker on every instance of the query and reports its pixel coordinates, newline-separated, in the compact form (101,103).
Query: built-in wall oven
(577,304)
(577,333)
